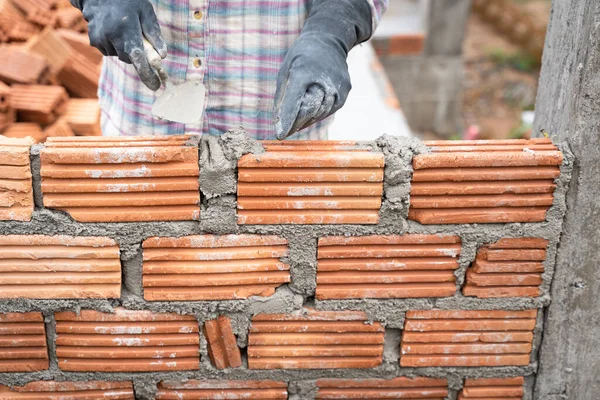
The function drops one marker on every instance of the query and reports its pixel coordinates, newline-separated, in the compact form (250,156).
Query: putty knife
(183,103)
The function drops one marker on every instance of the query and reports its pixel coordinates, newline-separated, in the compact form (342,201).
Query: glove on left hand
(313,81)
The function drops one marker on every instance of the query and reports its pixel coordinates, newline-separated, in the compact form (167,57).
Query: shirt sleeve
(378,7)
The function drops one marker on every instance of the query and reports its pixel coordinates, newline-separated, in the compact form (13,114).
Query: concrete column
(429,85)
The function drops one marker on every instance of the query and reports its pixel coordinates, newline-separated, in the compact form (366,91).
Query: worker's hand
(117,28)
(313,80)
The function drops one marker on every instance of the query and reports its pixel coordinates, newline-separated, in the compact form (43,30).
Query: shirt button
(197,62)
(198,14)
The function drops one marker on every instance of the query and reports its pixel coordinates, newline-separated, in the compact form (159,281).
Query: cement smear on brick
(218,159)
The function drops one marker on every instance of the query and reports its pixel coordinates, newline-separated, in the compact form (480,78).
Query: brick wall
(178,267)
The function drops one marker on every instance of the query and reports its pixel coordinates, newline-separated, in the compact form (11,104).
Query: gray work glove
(117,28)
(313,80)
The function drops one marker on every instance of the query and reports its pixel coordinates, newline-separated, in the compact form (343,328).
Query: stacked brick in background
(463,338)
(38,103)
(23,342)
(398,388)
(16,192)
(126,341)
(315,340)
(88,390)
(507,268)
(301,182)
(493,389)
(222,345)
(7,111)
(122,179)
(232,390)
(46,43)
(387,266)
(483,181)
(213,267)
(59,267)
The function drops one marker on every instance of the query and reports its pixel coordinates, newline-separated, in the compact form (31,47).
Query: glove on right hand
(117,28)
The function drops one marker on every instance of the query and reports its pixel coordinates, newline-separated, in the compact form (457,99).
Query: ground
(500,78)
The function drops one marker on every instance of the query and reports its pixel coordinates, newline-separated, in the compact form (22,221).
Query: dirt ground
(500,78)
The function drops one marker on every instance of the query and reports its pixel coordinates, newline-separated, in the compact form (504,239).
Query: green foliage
(519,60)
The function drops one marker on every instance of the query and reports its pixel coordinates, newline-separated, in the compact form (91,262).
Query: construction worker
(273,66)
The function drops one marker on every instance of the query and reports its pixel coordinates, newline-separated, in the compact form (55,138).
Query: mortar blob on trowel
(181,103)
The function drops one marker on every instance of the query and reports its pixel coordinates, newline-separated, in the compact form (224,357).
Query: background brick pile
(206,268)
(48,71)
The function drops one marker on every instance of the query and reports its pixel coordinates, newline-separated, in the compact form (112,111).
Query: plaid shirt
(234,46)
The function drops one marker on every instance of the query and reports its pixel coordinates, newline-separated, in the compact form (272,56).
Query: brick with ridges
(126,341)
(23,342)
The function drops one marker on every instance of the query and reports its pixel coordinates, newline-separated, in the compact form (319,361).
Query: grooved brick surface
(59,267)
(398,388)
(126,341)
(7,111)
(387,266)
(207,267)
(300,182)
(222,345)
(23,342)
(122,179)
(16,192)
(211,390)
(482,181)
(38,103)
(507,268)
(20,66)
(88,390)
(463,338)
(493,389)
(315,340)
(83,117)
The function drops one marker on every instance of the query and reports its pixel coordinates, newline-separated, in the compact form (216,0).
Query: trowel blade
(182,103)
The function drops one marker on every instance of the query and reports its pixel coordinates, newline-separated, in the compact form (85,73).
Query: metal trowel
(183,103)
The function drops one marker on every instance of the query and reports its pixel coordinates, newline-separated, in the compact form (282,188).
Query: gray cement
(218,159)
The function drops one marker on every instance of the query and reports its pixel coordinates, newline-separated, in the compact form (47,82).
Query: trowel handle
(155,61)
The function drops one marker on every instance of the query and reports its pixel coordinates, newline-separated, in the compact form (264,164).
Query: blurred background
(452,69)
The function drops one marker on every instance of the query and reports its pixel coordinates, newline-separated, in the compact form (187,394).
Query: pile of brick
(139,274)
(48,71)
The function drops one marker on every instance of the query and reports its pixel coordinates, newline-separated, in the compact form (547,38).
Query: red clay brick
(222,344)
(485,174)
(59,267)
(126,341)
(492,389)
(323,182)
(208,267)
(83,117)
(464,338)
(398,388)
(387,266)
(113,180)
(25,130)
(315,340)
(20,66)
(484,182)
(52,47)
(80,42)
(80,77)
(59,128)
(23,342)
(37,103)
(511,267)
(49,390)
(234,390)
(16,192)
(478,215)
(488,159)
(7,112)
